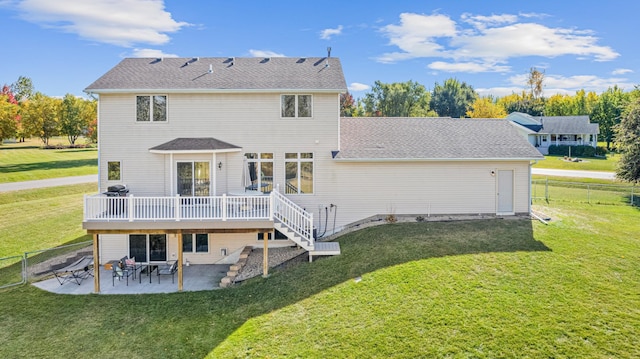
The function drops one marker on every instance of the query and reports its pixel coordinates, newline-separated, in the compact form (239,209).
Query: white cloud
(570,84)
(264,53)
(151,53)
(355,86)
(472,67)
(327,33)
(482,22)
(529,39)
(621,71)
(487,39)
(416,36)
(116,22)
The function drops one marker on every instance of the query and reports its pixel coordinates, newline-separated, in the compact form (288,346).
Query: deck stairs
(297,225)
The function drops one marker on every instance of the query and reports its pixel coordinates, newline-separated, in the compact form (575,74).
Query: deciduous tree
(486,107)
(73,119)
(405,99)
(8,114)
(347,105)
(628,141)
(22,88)
(453,98)
(41,117)
(607,112)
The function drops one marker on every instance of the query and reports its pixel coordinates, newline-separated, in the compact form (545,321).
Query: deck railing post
(224,206)
(130,207)
(84,209)
(178,208)
(271,202)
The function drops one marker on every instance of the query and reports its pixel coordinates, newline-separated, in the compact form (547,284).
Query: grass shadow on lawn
(26,167)
(193,324)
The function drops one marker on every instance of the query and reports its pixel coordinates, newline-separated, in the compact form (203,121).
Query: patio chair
(121,271)
(168,269)
(76,271)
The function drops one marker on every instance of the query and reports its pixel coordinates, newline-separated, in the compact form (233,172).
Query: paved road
(573,173)
(63,181)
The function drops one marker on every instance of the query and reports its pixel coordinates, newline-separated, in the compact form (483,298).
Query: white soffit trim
(226,150)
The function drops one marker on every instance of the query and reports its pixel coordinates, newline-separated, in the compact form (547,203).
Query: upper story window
(296,105)
(151,108)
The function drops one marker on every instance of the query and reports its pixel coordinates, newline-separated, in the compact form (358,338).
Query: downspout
(530,180)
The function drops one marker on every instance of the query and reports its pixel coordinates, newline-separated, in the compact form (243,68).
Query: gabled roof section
(434,139)
(195,145)
(569,125)
(222,74)
(523,119)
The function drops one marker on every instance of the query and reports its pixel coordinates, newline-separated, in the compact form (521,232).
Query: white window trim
(151,108)
(259,161)
(211,173)
(296,105)
(121,176)
(299,161)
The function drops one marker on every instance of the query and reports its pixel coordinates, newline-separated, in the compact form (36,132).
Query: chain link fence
(593,193)
(12,271)
(37,265)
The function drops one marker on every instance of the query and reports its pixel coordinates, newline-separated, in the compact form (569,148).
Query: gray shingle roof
(394,138)
(568,125)
(204,144)
(260,74)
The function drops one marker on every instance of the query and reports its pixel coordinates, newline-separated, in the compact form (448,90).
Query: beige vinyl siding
(251,121)
(113,247)
(365,189)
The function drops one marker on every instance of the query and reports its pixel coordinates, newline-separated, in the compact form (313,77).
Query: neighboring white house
(220,153)
(545,131)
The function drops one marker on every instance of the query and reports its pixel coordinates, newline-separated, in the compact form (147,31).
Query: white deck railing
(131,208)
(102,208)
(293,217)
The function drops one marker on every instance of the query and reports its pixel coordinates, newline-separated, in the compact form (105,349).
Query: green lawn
(41,218)
(29,161)
(485,289)
(587,164)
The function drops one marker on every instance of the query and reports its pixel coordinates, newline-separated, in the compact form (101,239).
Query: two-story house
(221,153)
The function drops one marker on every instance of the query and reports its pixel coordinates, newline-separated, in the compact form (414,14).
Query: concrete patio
(195,278)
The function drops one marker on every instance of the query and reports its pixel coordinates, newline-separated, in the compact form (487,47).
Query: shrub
(576,151)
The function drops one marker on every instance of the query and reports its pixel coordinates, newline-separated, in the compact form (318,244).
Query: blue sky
(64,45)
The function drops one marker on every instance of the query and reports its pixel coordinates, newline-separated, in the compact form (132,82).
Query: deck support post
(180,282)
(96,264)
(265,255)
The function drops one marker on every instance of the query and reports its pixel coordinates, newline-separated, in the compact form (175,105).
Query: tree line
(457,99)
(25,113)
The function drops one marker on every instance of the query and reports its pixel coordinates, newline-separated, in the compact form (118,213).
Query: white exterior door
(505,192)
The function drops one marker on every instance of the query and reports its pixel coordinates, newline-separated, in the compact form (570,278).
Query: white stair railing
(294,218)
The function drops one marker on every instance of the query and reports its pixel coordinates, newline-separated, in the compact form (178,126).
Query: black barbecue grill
(116,206)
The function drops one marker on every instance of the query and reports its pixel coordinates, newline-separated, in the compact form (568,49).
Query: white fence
(132,208)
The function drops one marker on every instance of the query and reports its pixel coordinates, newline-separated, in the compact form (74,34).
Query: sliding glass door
(148,248)
(193,179)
